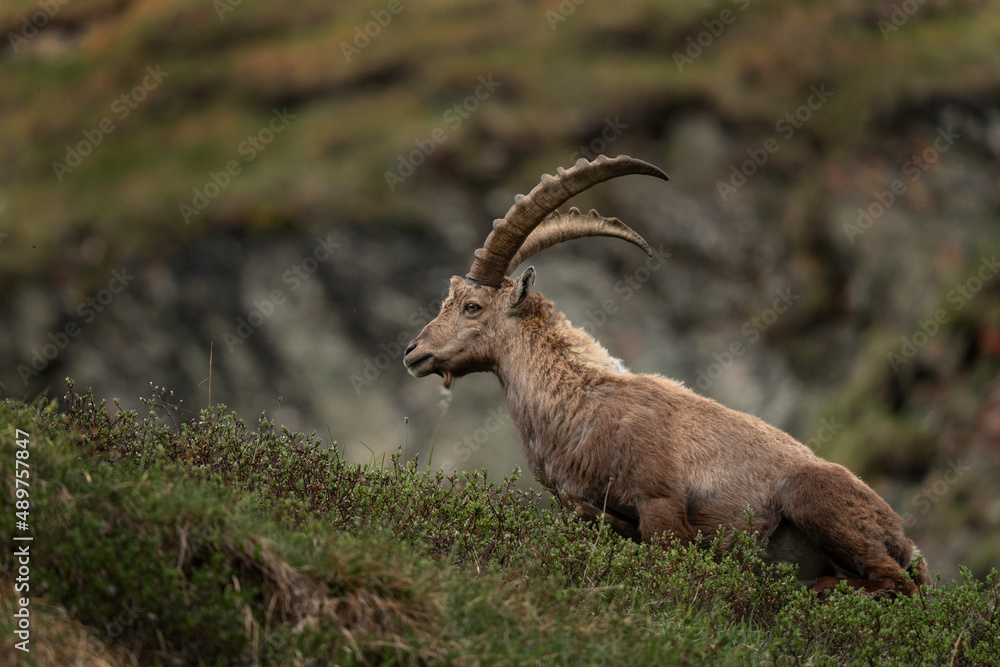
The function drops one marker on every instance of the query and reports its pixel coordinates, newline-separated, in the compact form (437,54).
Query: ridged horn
(510,232)
(559,227)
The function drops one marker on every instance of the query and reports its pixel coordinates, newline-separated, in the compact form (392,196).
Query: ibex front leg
(665,515)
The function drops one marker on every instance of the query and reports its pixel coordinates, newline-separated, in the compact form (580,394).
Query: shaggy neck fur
(549,374)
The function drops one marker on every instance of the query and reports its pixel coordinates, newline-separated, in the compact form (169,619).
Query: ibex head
(468,335)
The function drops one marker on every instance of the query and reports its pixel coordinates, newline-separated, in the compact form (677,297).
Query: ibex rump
(653,455)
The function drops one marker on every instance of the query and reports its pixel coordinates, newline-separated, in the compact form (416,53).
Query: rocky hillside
(268,202)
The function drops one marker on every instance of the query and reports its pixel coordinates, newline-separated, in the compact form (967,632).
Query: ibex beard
(643,450)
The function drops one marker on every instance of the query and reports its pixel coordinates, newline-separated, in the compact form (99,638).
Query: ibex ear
(522,287)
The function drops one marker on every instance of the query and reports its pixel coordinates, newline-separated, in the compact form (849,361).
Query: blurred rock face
(320,321)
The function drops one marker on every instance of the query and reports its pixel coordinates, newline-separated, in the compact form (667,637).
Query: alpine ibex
(649,453)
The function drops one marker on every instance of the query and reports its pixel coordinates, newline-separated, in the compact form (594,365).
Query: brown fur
(652,453)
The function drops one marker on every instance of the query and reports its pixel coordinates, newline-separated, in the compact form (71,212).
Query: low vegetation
(163,541)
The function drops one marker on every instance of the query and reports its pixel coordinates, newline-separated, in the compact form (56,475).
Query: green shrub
(206,542)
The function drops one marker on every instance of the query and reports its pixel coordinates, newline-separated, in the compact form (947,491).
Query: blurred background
(287,187)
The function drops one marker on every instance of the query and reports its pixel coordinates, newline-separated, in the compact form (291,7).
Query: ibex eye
(472,307)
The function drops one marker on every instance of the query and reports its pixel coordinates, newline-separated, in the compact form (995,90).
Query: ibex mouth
(419,365)
(422,365)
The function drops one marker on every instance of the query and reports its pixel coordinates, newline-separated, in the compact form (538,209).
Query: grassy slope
(212,543)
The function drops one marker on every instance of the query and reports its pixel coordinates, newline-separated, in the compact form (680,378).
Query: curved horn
(510,232)
(560,227)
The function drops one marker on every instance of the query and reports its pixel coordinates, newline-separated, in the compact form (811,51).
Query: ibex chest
(571,459)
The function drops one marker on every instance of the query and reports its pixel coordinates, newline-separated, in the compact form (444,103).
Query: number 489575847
(22,475)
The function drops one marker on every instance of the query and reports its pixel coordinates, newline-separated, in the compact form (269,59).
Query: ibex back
(652,455)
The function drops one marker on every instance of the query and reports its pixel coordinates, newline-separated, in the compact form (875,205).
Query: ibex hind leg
(852,525)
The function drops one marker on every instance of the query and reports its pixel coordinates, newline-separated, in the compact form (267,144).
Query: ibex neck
(550,375)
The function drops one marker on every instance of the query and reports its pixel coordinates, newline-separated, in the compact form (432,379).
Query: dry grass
(57,638)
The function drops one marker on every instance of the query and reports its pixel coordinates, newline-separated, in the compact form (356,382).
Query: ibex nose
(409,358)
